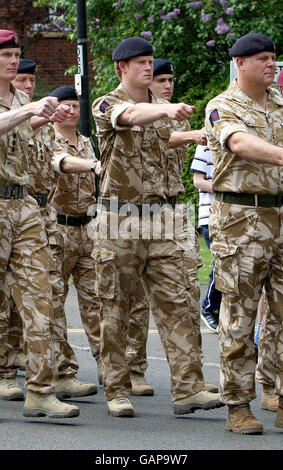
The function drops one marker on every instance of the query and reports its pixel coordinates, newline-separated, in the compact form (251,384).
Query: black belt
(246,199)
(41,199)
(73,220)
(143,209)
(13,192)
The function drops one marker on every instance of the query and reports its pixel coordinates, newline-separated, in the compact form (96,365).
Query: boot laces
(122,400)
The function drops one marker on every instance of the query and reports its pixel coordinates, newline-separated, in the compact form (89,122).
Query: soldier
(245,134)
(24,262)
(134,129)
(41,176)
(163,86)
(72,196)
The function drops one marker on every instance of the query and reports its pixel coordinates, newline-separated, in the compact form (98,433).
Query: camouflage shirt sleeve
(106,112)
(221,121)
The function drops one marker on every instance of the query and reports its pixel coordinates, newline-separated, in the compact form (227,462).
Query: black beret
(65,93)
(162,66)
(26,66)
(131,47)
(250,44)
(9,39)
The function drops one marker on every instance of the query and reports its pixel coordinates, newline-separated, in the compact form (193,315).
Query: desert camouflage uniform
(247,241)
(41,176)
(73,195)
(134,170)
(266,365)
(24,261)
(139,312)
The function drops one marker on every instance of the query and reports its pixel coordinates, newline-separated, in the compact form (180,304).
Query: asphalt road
(153,428)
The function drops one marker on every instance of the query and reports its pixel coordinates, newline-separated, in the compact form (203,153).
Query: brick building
(44,42)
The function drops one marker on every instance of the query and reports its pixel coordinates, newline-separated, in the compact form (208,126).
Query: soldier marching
(120,268)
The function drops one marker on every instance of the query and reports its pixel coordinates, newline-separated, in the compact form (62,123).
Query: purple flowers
(229,11)
(205,17)
(146,34)
(150,19)
(138,16)
(172,14)
(210,43)
(139,3)
(195,4)
(230,36)
(117,4)
(222,27)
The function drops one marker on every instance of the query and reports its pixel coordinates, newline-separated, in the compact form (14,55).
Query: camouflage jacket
(14,145)
(233,111)
(72,193)
(40,170)
(136,160)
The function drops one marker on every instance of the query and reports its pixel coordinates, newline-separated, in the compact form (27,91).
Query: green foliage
(196,44)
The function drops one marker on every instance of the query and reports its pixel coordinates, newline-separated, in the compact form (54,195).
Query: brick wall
(54,55)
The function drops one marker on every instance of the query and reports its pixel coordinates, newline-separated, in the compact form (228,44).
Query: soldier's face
(25,82)
(163,86)
(139,70)
(9,61)
(260,67)
(74,113)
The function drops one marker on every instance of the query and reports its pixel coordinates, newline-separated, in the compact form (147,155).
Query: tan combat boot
(120,406)
(10,390)
(46,404)
(269,401)
(279,417)
(202,400)
(20,361)
(140,385)
(242,421)
(68,387)
(210,387)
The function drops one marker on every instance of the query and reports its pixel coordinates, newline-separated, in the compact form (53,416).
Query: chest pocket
(257,125)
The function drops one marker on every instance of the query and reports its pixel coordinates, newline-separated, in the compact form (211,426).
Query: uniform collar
(240,96)
(63,140)
(124,94)
(19,96)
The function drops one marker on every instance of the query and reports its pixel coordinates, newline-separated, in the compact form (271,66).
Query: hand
(179,111)
(61,113)
(45,107)
(200,136)
(97,169)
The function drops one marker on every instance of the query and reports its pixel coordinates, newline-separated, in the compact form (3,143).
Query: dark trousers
(212,298)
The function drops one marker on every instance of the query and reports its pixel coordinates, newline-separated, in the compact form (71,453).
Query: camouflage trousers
(140,311)
(266,365)
(247,243)
(24,267)
(78,263)
(120,262)
(65,357)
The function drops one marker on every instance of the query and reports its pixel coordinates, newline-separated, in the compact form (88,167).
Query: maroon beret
(280,79)
(9,39)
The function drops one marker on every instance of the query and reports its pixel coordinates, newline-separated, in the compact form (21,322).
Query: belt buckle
(14,192)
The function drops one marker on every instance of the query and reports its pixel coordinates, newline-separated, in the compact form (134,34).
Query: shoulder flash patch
(214,116)
(104,105)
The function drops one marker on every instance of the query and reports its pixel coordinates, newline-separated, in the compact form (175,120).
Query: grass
(207,259)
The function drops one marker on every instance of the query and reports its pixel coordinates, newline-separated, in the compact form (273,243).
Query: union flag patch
(214,116)
(104,105)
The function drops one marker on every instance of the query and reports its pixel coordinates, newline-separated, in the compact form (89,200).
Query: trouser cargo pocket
(105,272)
(226,267)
